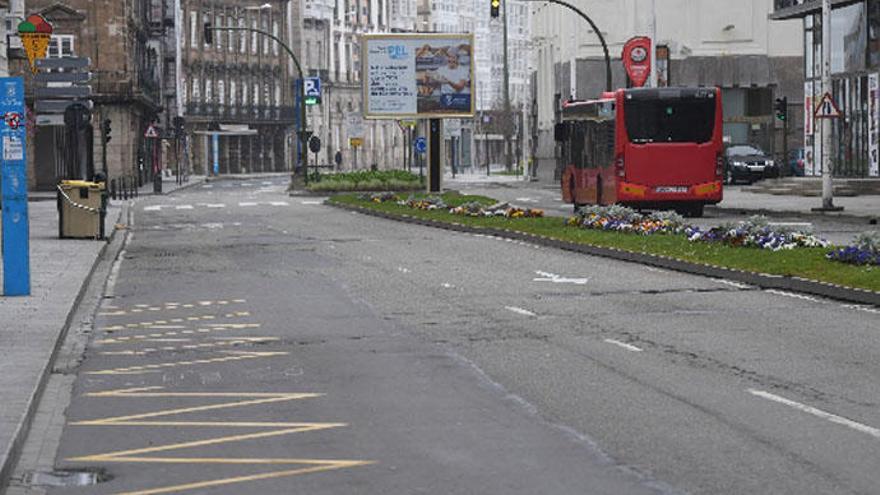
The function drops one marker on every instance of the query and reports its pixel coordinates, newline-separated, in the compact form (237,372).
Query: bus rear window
(681,120)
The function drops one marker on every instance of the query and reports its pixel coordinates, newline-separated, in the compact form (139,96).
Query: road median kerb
(761,280)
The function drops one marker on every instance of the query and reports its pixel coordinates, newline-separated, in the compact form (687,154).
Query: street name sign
(59,106)
(16,248)
(63,92)
(64,63)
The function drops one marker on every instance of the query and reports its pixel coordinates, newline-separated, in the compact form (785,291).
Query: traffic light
(781,108)
(494,7)
(179,126)
(209,34)
(105,127)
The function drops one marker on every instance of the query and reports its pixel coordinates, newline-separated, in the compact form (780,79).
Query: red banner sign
(637,60)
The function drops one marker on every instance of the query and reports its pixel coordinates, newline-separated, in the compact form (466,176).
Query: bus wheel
(694,211)
(571,190)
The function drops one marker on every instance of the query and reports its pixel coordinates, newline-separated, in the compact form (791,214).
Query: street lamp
(302,133)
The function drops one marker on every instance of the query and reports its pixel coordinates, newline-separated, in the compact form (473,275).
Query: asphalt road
(277,345)
(546,196)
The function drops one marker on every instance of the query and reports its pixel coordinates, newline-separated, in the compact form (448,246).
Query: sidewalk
(169,185)
(735,199)
(31,328)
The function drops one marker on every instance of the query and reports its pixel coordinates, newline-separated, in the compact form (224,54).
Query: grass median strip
(808,263)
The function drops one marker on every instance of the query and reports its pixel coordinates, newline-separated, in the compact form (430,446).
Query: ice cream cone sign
(35,33)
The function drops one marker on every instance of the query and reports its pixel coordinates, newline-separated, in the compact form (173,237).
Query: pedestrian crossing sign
(827,108)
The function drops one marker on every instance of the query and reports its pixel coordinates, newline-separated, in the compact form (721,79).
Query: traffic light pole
(508,152)
(298,88)
(595,30)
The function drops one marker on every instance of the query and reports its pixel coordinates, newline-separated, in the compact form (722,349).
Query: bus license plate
(671,189)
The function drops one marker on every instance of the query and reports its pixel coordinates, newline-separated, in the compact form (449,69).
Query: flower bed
(475,209)
(754,232)
(865,251)
(365,180)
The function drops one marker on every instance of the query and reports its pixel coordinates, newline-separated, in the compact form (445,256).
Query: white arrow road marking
(183,207)
(626,346)
(155,207)
(246,203)
(520,311)
(840,420)
(279,203)
(557,279)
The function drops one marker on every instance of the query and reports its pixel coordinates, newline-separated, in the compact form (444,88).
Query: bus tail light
(621,172)
(719,166)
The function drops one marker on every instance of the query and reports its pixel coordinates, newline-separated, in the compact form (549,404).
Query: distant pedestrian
(338,159)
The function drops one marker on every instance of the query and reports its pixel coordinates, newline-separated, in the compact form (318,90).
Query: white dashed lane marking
(626,346)
(840,420)
(243,204)
(520,311)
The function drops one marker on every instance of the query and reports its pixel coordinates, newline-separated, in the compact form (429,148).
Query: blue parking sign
(16,249)
(312,90)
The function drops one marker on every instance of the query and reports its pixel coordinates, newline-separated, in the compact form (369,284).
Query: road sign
(355,125)
(59,106)
(63,92)
(50,120)
(151,132)
(421,144)
(312,90)
(64,63)
(827,108)
(13,136)
(71,77)
(406,123)
(355,142)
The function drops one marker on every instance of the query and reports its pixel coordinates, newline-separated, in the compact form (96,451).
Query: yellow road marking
(152,368)
(149,324)
(248,399)
(212,328)
(168,306)
(188,347)
(328,466)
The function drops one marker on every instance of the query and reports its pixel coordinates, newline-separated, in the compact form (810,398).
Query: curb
(9,459)
(777,213)
(257,176)
(761,280)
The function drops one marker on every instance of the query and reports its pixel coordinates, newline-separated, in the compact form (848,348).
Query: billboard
(418,75)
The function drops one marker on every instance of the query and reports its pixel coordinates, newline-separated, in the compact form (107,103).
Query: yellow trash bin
(81,209)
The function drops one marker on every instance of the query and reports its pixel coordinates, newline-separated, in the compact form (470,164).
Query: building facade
(732,45)
(855,68)
(237,85)
(116,36)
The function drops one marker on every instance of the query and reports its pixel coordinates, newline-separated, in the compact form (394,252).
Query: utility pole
(827,186)
(652,28)
(508,153)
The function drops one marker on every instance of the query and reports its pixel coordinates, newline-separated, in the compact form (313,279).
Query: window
(221,92)
(254,46)
(243,36)
(206,18)
(197,90)
(230,22)
(232,93)
(276,31)
(265,26)
(183,96)
(679,120)
(60,45)
(193,30)
(220,22)
(209,90)
(244,93)
(277,96)
(256,94)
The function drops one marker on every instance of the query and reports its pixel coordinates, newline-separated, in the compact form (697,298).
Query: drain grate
(65,478)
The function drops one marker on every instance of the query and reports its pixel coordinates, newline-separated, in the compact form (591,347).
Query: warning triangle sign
(152,132)
(827,108)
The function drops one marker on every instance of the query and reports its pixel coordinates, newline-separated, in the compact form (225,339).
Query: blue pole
(16,249)
(299,129)
(215,145)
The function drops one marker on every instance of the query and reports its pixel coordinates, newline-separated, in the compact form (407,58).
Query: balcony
(241,113)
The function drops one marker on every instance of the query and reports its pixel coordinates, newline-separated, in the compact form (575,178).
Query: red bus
(647,148)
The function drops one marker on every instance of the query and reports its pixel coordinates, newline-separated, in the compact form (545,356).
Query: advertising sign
(418,75)
(637,60)
(16,248)
(873,124)
(809,127)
